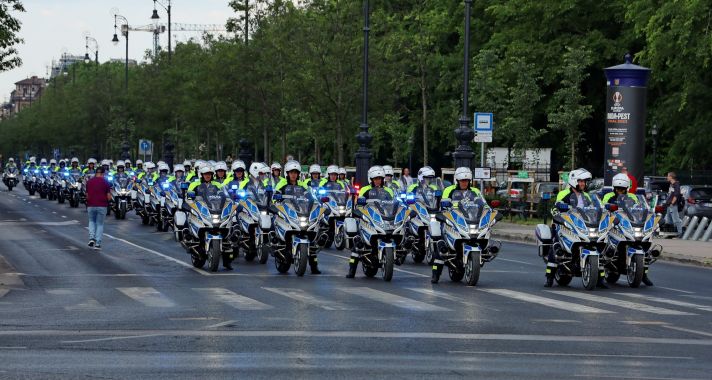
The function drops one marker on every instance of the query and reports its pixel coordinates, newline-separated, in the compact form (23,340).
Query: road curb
(666,256)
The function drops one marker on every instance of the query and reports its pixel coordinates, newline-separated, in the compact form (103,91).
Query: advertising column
(625,120)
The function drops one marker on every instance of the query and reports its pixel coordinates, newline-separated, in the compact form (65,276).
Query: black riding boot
(353,265)
(227,261)
(437,271)
(551,269)
(646,279)
(601,282)
(314,264)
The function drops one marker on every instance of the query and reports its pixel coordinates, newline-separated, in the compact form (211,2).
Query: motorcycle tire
(263,253)
(455,275)
(32,192)
(43,195)
(612,277)
(388,262)
(60,199)
(301,259)
(419,252)
(9,188)
(250,254)
(370,272)
(122,212)
(329,242)
(214,255)
(340,241)
(562,279)
(589,273)
(197,261)
(635,271)
(144,220)
(472,270)
(282,266)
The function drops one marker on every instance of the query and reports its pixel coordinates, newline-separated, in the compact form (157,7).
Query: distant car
(656,186)
(515,193)
(545,187)
(698,200)
(595,185)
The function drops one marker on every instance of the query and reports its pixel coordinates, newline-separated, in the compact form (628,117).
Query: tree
(9,27)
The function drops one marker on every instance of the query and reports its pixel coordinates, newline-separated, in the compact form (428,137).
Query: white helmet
(374,172)
(315,168)
(292,165)
(255,169)
(10,159)
(221,165)
(199,164)
(206,169)
(33,159)
(576,175)
(149,165)
(139,162)
(127,162)
(178,168)
(187,163)
(212,162)
(91,161)
(463,173)
(163,166)
(43,161)
(621,180)
(426,171)
(105,162)
(160,162)
(388,169)
(238,164)
(53,161)
(74,159)
(276,166)
(264,169)
(342,171)
(120,163)
(332,169)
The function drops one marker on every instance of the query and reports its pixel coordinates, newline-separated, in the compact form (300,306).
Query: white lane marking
(54,224)
(519,262)
(555,321)
(301,296)
(147,296)
(562,305)
(183,263)
(697,297)
(703,333)
(649,323)
(449,297)
(69,248)
(221,324)
(63,216)
(623,356)
(620,303)
(89,305)
(111,338)
(233,299)
(676,290)
(396,269)
(392,299)
(3,292)
(668,301)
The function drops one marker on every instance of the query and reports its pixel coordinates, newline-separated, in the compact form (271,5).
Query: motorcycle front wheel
(340,240)
(635,271)
(388,262)
(197,261)
(472,270)
(300,260)
(214,255)
(263,253)
(281,265)
(589,273)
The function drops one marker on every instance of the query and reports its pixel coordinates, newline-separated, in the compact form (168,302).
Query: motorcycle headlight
(474,229)
(432,217)
(593,233)
(216,219)
(637,232)
(342,210)
(303,221)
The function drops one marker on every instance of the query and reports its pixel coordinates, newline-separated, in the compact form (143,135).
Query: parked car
(698,200)
(656,186)
(545,187)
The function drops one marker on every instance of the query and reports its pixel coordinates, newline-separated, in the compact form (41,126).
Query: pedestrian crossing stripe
(233,299)
(667,301)
(392,299)
(561,305)
(148,296)
(619,303)
(300,295)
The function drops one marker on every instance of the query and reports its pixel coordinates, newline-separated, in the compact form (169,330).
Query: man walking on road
(98,194)
(674,203)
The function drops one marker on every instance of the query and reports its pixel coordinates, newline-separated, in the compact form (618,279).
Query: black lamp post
(95,45)
(363,154)
(155,18)
(654,132)
(125,31)
(464,133)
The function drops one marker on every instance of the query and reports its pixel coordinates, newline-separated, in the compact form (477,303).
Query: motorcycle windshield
(472,209)
(428,197)
(589,212)
(215,203)
(302,205)
(635,209)
(258,193)
(11,170)
(338,196)
(388,209)
(121,182)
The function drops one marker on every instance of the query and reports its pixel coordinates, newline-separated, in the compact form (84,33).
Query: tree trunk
(573,153)
(424,101)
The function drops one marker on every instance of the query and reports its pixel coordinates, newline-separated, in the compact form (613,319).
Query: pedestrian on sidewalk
(405,179)
(674,203)
(98,195)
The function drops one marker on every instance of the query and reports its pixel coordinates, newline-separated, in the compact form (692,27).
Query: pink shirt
(97,188)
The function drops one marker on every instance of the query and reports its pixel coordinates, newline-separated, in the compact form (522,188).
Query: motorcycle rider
(276,177)
(139,168)
(187,167)
(194,175)
(331,182)
(238,171)
(162,174)
(90,170)
(315,179)
(203,188)
(374,190)
(221,172)
(395,185)
(575,195)
(52,165)
(621,183)
(120,170)
(150,169)
(74,168)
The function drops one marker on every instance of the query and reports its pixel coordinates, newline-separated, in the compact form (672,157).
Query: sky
(51,27)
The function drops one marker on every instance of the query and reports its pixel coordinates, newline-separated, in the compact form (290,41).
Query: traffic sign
(483,137)
(145,147)
(483,173)
(484,122)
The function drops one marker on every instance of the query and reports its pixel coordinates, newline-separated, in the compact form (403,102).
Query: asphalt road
(138,309)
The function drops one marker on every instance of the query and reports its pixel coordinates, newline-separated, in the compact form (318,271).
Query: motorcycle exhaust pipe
(358,242)
(655,253)
(493,250)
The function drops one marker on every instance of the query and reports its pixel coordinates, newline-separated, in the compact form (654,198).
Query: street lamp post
(363,154)
(654,132)
(125,31)
(95,45)
(155,18)
(464,133)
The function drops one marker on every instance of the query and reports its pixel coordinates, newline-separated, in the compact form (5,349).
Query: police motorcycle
(143,198)
(378,234)
(175,196)
(425,207)
(579,241)
(461,236)
(340,204)
(253,222)
(9,177)
(72,182)
(629,250)
(297,220)
(43,182)
(121,188)
(209,220)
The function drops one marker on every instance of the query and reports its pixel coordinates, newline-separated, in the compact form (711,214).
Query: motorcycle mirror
(499,216)
(361,201)
(495,203)
(612,207)
(659,209)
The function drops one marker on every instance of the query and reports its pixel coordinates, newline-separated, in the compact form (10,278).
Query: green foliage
(9,28)
(294,87)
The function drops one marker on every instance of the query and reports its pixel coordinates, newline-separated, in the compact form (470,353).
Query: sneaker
(91,243)
(97,246)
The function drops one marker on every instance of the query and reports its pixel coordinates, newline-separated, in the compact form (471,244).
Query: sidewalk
(684,251)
